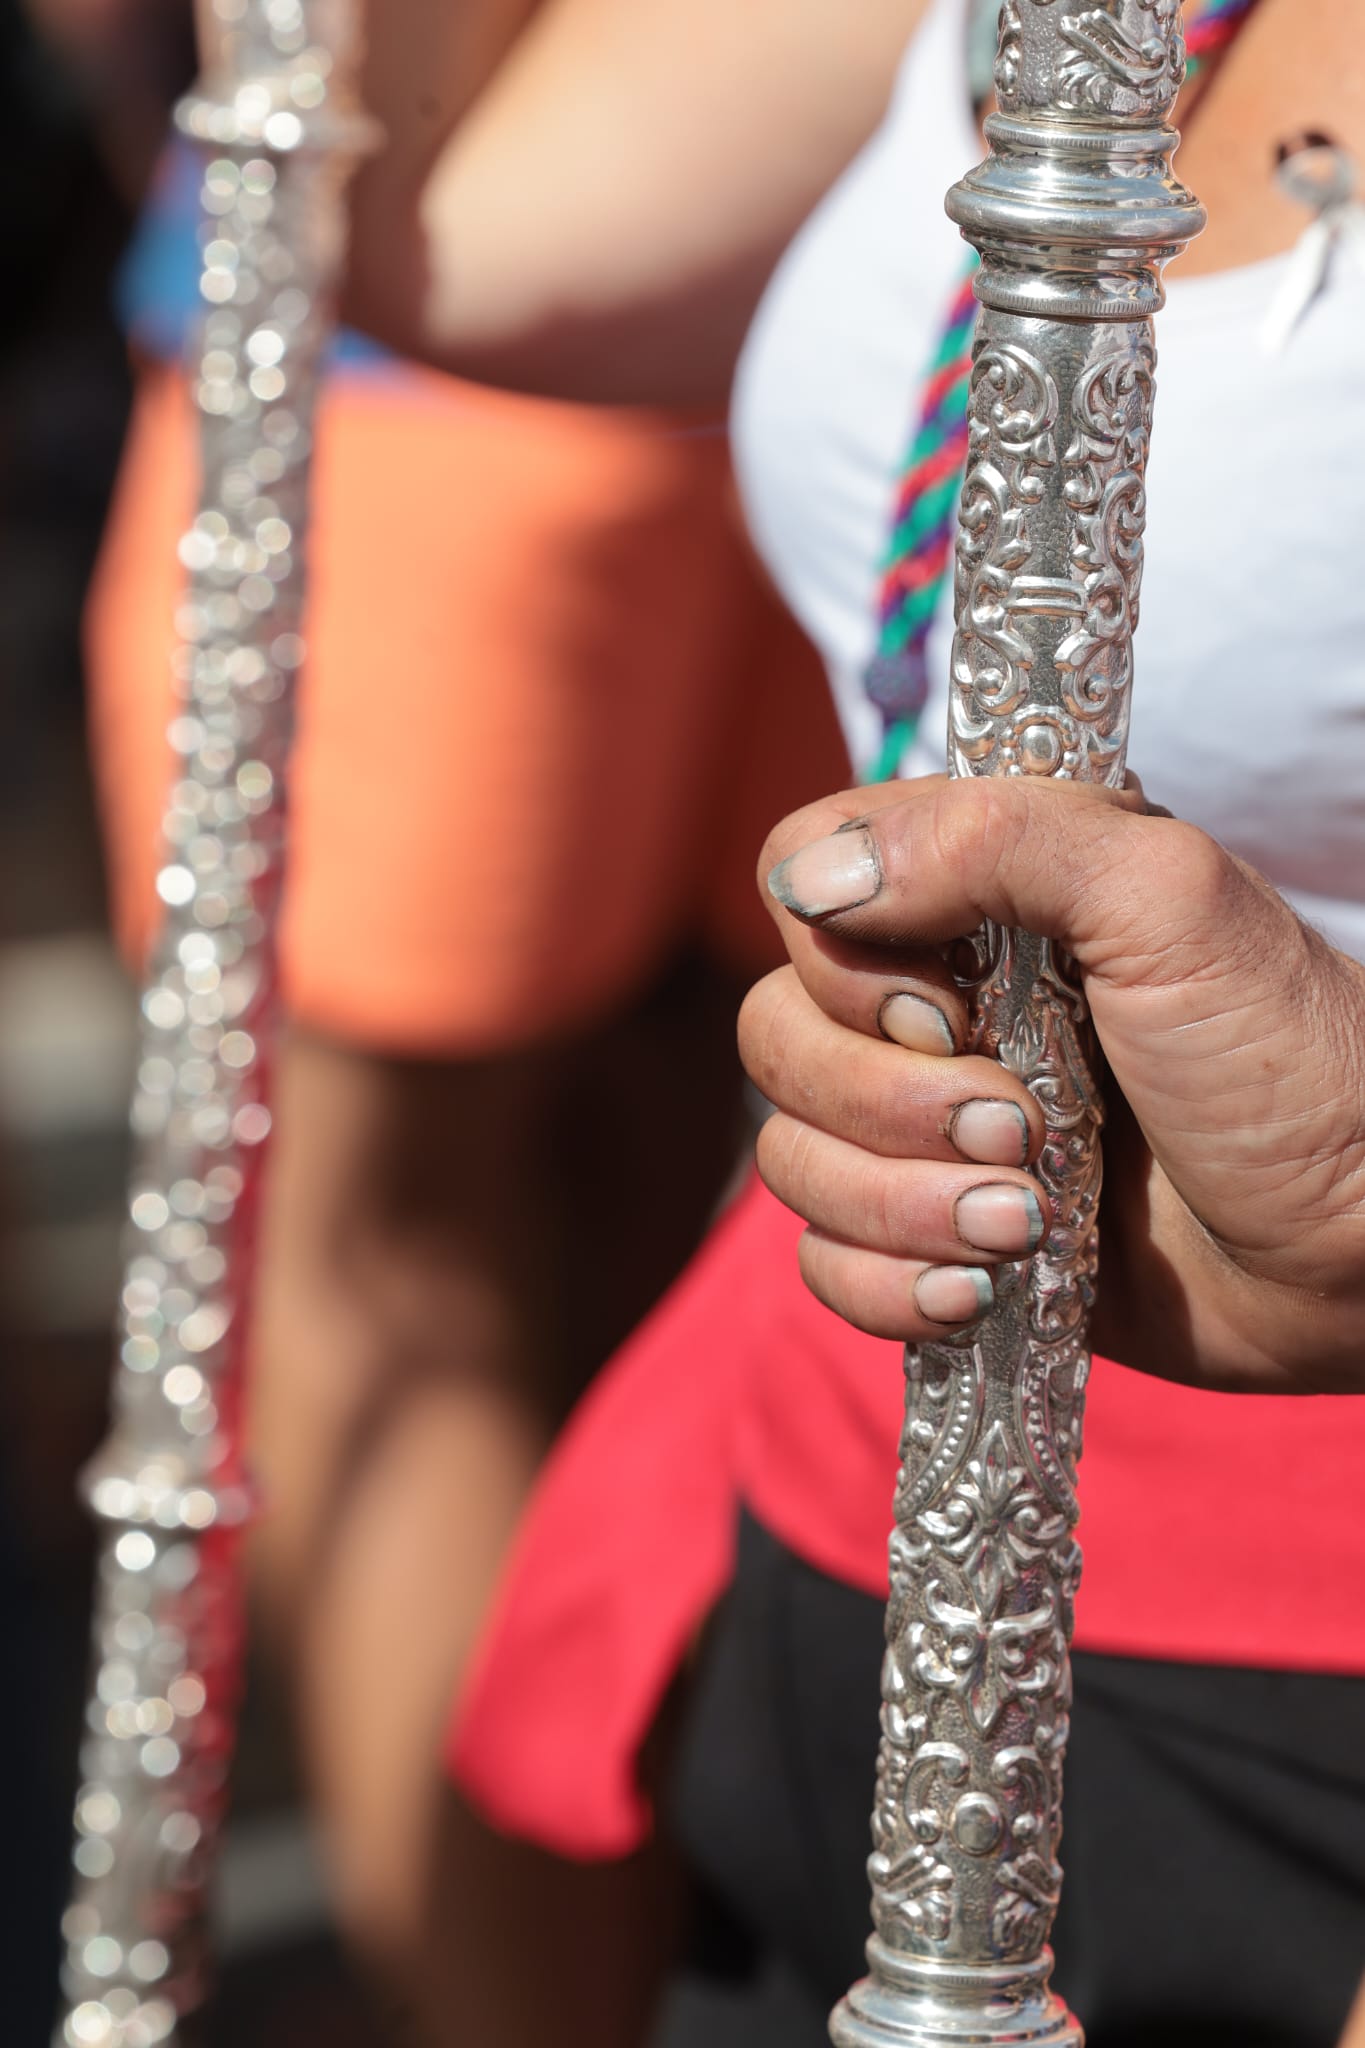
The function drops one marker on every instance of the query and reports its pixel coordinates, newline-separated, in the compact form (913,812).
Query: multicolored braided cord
(918,560)
(1210,29)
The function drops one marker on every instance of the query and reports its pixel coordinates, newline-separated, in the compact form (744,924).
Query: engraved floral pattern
(1007,715)
(984,1563)
(1106,465)
(1123,59)
(988,1659)
(993,1523)
(1010,51)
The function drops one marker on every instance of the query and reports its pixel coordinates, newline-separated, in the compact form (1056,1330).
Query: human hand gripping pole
(1233,1038)
(1074,213)
(278,117)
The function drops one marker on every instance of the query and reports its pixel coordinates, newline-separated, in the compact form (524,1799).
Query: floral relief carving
(1124,58)
(984,1560)
(988,1659)
(1012,417)
(1011,714)
(1009,55)
(1029,1894)
(1047,1413)
(942,1416)
(983,1577)
(994,1522)
(912,1888)
(1105,490)
(933,1764)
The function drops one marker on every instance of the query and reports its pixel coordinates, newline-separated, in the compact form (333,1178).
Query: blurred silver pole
(1074,213)
(277,114)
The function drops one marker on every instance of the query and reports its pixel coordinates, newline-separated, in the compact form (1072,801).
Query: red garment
(1217,1529)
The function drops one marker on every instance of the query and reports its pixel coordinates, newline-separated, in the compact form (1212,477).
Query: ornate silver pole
(1074,214)
(278,115)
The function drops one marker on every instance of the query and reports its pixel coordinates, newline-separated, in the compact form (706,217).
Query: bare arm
(591,207)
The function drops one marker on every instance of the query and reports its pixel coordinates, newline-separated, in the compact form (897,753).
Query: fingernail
(953,1294)
(996,1133)
(831,874)
(921,1025)
(999,1218)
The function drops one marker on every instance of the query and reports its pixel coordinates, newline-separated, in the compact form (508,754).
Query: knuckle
(1197,887)
(825,1276)
(891,1214)
(772,1153)
(977,825)
(882,1112)
(760,1028)
(850,1284)
(780,1044)
(815,1069)
(1189,862)
(793,1166)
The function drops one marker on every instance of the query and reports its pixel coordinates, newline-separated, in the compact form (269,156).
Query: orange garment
(549,712)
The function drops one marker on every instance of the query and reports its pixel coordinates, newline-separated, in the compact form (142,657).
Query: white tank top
(1249,704)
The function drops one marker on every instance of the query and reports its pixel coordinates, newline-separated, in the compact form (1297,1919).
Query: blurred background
(86,88)
(71,184)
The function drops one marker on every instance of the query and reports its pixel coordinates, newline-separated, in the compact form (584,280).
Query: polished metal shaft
(277,114)
(1074,213)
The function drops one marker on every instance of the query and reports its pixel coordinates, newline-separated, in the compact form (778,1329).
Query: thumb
(1129,893)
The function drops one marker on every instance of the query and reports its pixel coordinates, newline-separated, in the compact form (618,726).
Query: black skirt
(1214,1850)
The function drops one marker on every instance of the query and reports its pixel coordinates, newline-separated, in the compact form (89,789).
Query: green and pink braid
(918,560)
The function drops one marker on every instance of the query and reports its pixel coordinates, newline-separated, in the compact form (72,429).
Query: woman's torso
(1214,1529)
(1249,704)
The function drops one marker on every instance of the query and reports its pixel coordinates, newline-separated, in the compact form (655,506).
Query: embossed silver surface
(278,116)
(1074,213)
